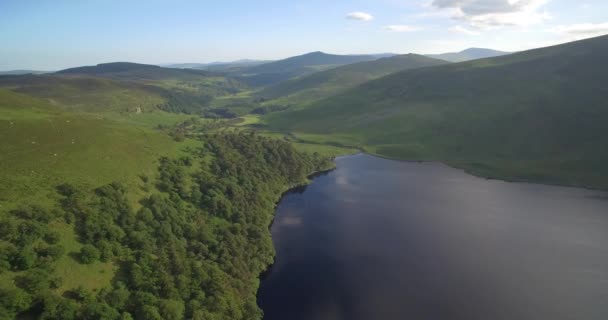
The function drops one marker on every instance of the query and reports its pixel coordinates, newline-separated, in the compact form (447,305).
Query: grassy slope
(538,115)
(330,82)
(125,88)
(43,146)
(84,93)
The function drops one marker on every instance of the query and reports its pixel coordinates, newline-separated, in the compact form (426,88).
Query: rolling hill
(127,87)
(536,115)
(468,55)
(281,70)
(135,71)
(329,82)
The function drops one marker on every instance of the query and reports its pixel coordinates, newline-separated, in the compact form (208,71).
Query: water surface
(382,239)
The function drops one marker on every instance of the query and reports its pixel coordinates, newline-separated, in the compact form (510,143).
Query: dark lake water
(382,239)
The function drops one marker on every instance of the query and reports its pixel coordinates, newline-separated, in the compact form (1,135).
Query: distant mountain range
(19,72)
(468,55)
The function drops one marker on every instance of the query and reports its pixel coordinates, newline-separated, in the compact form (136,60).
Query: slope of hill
(537,115)
(326,83)
(83,200)
(468,54)
(277,71)
(85,93)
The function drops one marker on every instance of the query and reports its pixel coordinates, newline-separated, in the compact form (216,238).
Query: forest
(194,248)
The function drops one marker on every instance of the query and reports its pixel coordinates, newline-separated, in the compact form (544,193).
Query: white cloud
(485,14)
(401,28)
(582,30)
(463,30)
(360,16)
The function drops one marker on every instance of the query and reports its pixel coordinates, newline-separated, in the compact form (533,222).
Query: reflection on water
(381,239)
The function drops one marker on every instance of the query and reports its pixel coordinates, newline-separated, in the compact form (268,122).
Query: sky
(57,34)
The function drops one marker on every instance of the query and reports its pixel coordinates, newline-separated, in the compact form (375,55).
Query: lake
(382,239)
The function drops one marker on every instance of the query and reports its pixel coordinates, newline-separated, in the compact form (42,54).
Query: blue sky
(50,35)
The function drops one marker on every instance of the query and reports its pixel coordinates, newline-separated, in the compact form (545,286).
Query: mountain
(329,82)
(281,70)
(468,54)
(537,115)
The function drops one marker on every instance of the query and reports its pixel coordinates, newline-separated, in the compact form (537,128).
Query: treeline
(193,249)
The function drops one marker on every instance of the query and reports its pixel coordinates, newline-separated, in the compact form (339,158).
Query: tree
(149,313)
(14,301)
(25,258)
(52,237)
(89,254)
(56,307)
(119,297)
(34,281)
(99,311)
(172,309)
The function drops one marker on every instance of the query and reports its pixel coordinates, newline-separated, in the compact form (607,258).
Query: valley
(139,191)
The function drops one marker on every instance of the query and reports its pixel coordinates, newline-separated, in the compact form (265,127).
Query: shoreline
(481,176)
(266,272)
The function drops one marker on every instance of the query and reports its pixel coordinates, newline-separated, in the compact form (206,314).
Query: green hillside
(281,70)
(330,82)
(537,115)
(105,215)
